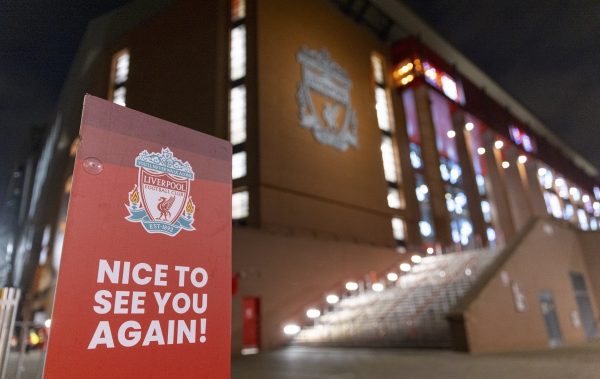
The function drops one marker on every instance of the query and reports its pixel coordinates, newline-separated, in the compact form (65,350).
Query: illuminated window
(553,204)
(389,161)
(393,198)
(238,10)
(238,106)
(486,210)
(119,96)
(522,139)
(425,228)
(583,220)
(238,52)
(443,82)
(398,229)
(383,111)
(119,76)
(237,115)
(238,165)
(240,205)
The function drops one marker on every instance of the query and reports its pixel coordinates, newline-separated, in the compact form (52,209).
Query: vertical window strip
(237,106)
(238,10)
(388,152)
(119,76)
(237,57)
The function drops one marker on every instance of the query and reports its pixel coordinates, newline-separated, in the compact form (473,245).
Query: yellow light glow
(522,159)
(505,164)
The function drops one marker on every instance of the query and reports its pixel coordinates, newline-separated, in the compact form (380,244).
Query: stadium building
(386,191)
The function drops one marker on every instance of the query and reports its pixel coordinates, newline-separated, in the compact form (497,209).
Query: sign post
(144,288)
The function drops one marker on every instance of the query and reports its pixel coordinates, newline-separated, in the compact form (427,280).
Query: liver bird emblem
(163,206)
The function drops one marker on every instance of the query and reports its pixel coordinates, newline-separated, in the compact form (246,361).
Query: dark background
(544,53)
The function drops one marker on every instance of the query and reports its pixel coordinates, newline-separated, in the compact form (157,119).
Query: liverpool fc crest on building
(161,199)
(324,100)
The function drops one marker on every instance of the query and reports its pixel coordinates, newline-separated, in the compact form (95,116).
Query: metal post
(9,302)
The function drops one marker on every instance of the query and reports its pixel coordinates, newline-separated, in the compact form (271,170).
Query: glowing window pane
(556,209)
(383,112)
(393,198)
(398,228)
(491,234)
(389,162)
(480,183)
(238,52)
(239,205)
(119,95)
(425,228)
(486,210)
(377,69)
(450,88)
(583,220)
(237,115)
(568,213)
(238,9)
(121,68)
(238,165)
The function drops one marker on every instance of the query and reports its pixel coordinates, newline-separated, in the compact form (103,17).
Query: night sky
(544,53)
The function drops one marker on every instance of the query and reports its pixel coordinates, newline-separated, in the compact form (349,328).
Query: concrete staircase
(409,312)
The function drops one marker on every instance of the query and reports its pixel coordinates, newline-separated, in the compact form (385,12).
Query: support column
(534,190)
(496,189)
(516,190)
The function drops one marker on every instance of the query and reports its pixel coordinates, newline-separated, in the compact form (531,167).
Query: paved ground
(316,363)
(333,363)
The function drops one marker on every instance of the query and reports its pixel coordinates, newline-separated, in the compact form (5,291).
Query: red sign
(144,287)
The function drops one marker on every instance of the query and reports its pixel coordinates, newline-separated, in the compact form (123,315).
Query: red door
(251,341)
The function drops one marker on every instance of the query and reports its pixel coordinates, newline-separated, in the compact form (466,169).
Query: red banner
(144,287)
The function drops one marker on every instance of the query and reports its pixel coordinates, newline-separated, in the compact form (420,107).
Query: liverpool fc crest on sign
(324,100)
(161,199)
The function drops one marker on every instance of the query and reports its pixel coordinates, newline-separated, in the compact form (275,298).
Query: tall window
(119,76)
(422,190)
(389,156)
(567,200)
(450,170)
(237,108)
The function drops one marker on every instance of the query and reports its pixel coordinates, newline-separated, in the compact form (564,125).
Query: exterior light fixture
(430,250)
(469,126)
(332,299)
(505,164)
(377,287)
(522,159)
(405,267)
(542,171)
(498,144)
(392,276)
(313,313)
(451,134)
(351,286)
(291,329)
(481,150)
(416,258)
